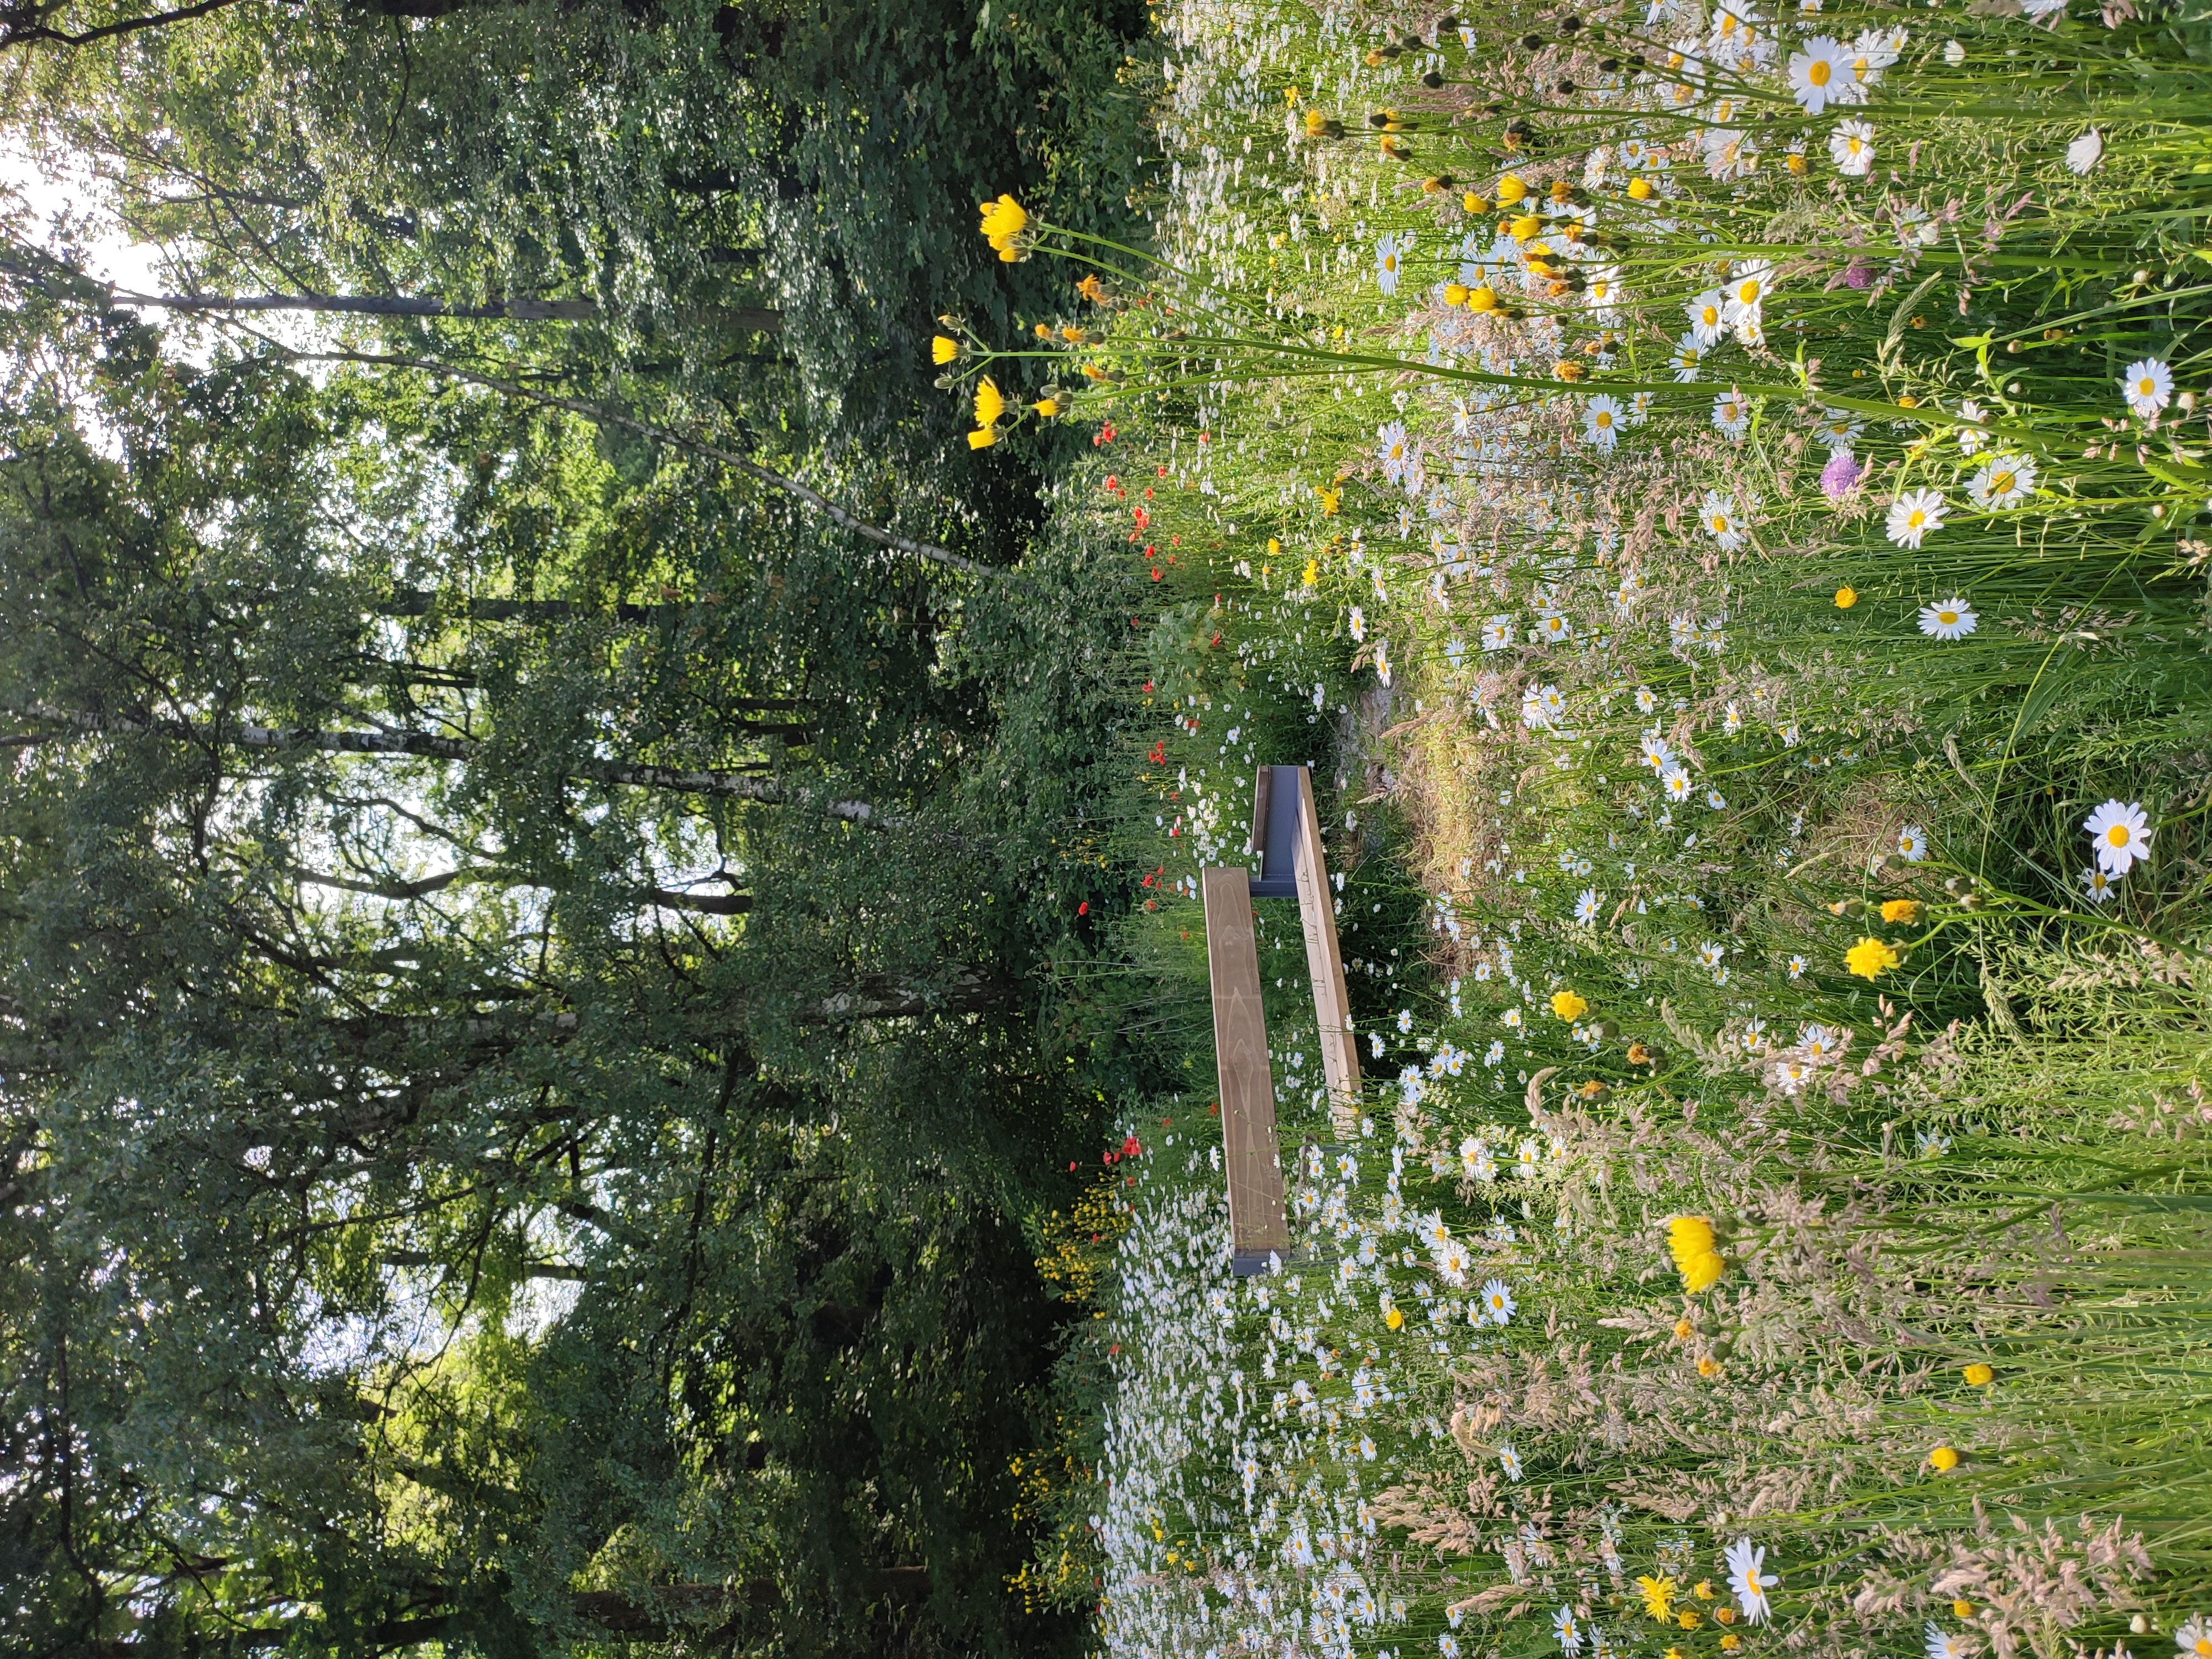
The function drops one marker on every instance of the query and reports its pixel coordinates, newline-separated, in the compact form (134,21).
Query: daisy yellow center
(2002,485)
(1720,523)
(2203,1646)
(2117,836)
(1605,417)
(1918,519)
(1728,411)
(2145,387)
(1855,144)
(1711,314)
(1947,617)
(1818,74)
(1389,262)
(1749,293)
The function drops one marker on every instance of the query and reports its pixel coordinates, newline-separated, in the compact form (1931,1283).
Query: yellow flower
(1795,164)
(1393,1319)
(1731,1642)
(1314,122)
(1313,572)
(1511,190)
(1900,909)
(1639,190)
(1674,1653)
(1046,407)
(1092,289)
(1846,598)
(1567,371)
(1455,294)
(1943,1460)
(1567,1005)
(943,349)
(1330,499)
(1688,1618)
(1869,957)
(1275,548)
(990,403)
(1003,220)
(1044,330)
(1703,1591)
(1290,94)
(1724,1613)
(1962,1609)
(1690,1239)
(1658,1595)
(1482,299)
(1979,1374)
(1682,1330)
(983,437)
(1525,226)
(1471,202)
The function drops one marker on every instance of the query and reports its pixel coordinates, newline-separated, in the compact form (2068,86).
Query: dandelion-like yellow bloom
(1658,1596)
(1314,122)
(1567,1005)
(1795,164)
(1525,226)
(1482,299)
(983,437)
(1703,1590)
(1471,202)
(1046,408)
(1978,1375)
(1962,1609)
(1092,289)
(990,403)
(1003,220)
(1846,597)
(1312,572)
(1708,1366)
(1689,1618)
(1943,1460)
(1869,957)
(1044,330)
(1900,909)
(1455,294)
(1724,1614)
(1511,190)
(942,348)
(1690,1239)
(1639,190)
(1393,1319)
(1330,501)
(1731,1642)
(1682,1330)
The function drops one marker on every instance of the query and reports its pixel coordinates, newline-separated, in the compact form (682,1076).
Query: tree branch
(724,784)
(19,24)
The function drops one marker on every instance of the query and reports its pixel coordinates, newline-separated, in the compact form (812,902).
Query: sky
(110,255)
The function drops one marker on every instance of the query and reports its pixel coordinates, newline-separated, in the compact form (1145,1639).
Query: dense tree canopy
(521,1075)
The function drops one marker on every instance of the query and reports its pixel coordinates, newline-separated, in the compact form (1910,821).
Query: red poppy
(1083,908)
(1130,1148)
(1159,754)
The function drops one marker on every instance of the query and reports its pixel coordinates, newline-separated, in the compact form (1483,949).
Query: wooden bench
(1286,834)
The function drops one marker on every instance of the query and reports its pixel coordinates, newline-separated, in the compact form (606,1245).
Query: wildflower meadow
(1718,496)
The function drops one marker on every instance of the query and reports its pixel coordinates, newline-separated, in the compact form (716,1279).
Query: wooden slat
(1256,1222)
(1339,1045)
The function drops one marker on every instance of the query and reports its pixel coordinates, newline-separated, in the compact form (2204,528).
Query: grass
(1636,736)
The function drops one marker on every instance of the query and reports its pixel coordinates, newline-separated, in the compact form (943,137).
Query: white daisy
(1732,415)
(1913,514)
(1747,290)
(1951,619)
(1498,633)
(2096,883)
(2147,386)
(1393,446)
(1745,1579)
(1709,318)
(1390,260)
(1587,904)
(1912,843)
(2194,1638)
(1509,1461)
(1646,699)
(2085,152)
(1851,147)
(1498,1303)
(1687,352)
(1602,419)
(1970,437)
(1658,753)
(1717,800)
(1358,622)
(1955,1644)
(1569,1634)
(1718,513)
(1676,783)
(2006,481)
(1839,428)
(1797,967)
(2119,831)
(1819,74)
